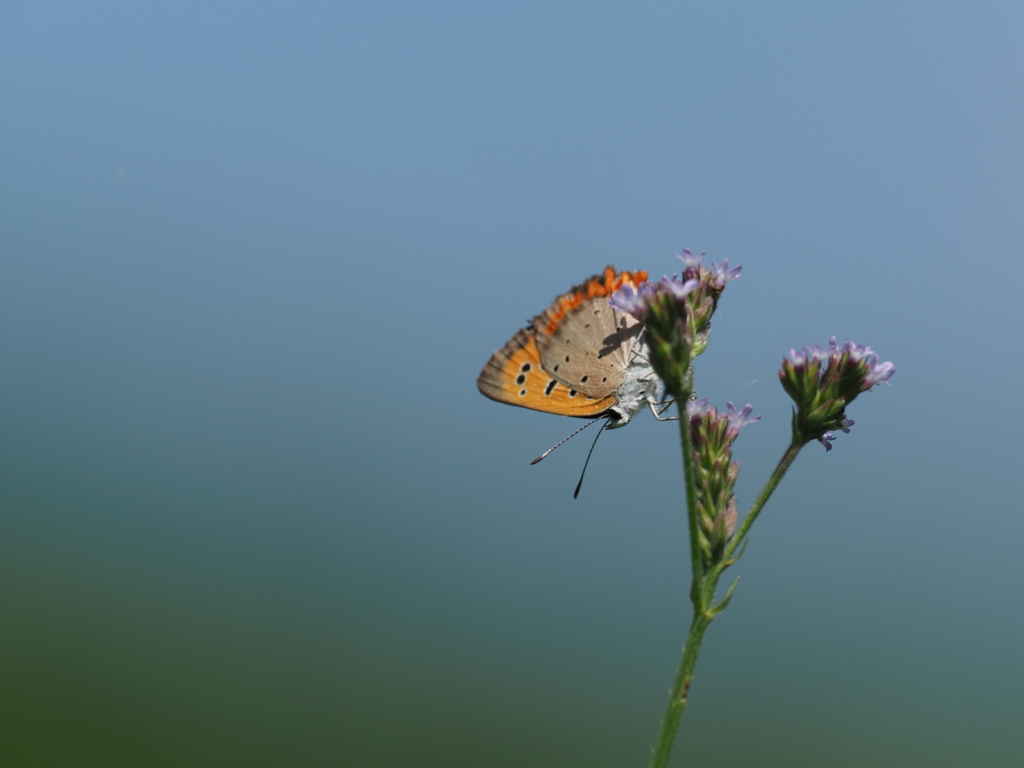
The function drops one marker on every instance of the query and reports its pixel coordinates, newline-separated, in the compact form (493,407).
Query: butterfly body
(578,358)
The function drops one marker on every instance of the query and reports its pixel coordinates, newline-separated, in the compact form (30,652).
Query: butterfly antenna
(580,483)
(549,450)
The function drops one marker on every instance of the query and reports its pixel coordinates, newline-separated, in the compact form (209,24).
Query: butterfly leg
(657,413)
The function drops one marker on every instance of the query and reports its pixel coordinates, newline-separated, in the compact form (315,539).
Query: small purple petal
(638,301)
(677,287)
(879,373)
(627,300)
(808,355)
(824,353)
(698,408)
(722,274)
(689,260)
(826,440)
(856,351)
(739,419)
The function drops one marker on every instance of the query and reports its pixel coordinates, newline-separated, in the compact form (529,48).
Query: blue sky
(254,256)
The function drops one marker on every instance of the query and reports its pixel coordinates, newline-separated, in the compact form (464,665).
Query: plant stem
(705,584)
(762,499)
(699,596)
(680,690)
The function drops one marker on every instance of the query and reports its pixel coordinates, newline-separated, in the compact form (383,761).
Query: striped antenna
(549,450)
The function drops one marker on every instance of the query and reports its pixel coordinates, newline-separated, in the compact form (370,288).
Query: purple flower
(823,382)
(828,437)
(627,300)
(640,303)
(722,274)
(696,408)
(740,419)
(677,287)
(676,314)
(715,472)
(717,427)
(879,372)
(691,263)
(815,354)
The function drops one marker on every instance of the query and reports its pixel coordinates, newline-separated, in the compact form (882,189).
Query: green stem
(702,592)
(762,499)
(698,596)
(680,690)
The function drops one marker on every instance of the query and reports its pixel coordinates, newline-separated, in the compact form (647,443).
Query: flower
(740,419)
(696,408)
(722,274)
(691,263)
(676,313)
(715,472)
(628,300)
(828,437)
(877,372)
(649,298)
(823,381)
(718,430)
(662,308)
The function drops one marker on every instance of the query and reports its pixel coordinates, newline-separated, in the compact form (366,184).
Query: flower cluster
(715,472)
(676,313)
(662,308)
(822,382)
(703,302)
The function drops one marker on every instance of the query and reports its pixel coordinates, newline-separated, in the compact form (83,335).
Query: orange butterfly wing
(514,375)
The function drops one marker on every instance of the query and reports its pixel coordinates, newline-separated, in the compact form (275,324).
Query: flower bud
(715,473)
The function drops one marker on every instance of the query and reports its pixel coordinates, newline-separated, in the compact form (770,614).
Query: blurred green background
(252,257)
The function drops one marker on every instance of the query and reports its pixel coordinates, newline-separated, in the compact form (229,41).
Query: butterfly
(579,357)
